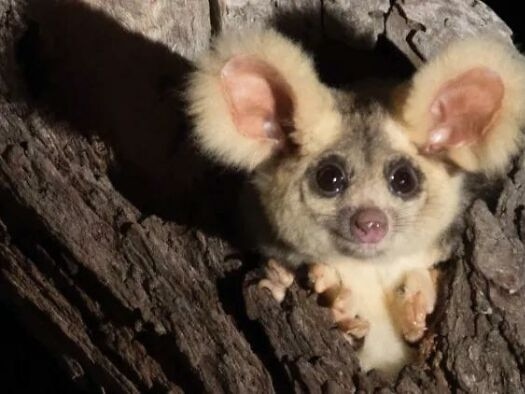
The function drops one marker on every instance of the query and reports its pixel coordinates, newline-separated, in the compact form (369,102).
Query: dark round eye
(403,179)
(331,179)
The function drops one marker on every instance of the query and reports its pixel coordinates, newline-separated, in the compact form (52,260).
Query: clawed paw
(278,279)
(356,327)
(323,277)
(326,282)
(346,317)
(413,316)
(415,299)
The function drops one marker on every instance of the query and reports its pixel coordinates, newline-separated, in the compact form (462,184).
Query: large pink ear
(255,93)
(464,109)
(259,100)
(468,104)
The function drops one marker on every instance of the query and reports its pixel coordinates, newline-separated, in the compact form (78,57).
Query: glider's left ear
(255,96)
(468,104)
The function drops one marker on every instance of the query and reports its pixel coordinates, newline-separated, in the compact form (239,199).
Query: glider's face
(369,194)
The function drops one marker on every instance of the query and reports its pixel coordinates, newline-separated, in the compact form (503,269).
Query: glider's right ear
(468,105)
(251,94)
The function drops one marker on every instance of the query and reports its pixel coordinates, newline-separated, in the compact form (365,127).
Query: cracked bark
(115,243)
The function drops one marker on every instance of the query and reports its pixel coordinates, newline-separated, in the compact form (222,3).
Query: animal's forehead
(363,133)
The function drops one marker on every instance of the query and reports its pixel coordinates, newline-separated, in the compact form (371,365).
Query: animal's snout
(369,225)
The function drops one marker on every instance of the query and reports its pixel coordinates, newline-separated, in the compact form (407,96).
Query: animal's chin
(363,250)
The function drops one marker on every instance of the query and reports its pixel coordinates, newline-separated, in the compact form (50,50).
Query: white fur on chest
(372,283)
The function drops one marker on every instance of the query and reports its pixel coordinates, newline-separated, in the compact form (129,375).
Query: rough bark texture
(114,234)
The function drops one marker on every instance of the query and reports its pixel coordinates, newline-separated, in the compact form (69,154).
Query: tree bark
(116,249)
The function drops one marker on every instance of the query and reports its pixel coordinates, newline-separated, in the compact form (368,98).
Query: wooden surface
(116,246)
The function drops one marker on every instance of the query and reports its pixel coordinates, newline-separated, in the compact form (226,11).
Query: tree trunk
(116,249)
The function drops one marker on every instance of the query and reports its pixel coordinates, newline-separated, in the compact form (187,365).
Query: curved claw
(356,327)
(326,281)
(322,277)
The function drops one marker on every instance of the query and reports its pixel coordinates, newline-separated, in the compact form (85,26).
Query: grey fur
(366,152)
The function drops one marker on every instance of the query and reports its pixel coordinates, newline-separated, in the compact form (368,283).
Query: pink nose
(369,225)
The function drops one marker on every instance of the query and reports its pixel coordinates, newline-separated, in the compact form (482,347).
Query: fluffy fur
(215,129)
(504,137)
(377,298)
(384,289)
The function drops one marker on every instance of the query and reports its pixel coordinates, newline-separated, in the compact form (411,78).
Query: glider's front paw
(415,300)
(346,317)
(278,279)
(325,280)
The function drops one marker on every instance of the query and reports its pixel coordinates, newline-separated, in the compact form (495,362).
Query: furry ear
(255,93)
(468,104)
